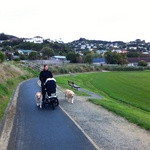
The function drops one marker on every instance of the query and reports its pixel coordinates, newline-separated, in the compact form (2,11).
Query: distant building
(60,57)
(117,51)
(133,61)
(99,61)
(24,52)
(36,39)
(101,51)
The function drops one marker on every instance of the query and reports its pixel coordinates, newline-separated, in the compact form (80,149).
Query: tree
(111,58)
(142,63)
(88,58)
(115,58)
(9,55)
(72,57)
(2,57)
(47,51)
(23,57)
(33,56)
(16,53)
(3,36)
(79,59)
(133,54)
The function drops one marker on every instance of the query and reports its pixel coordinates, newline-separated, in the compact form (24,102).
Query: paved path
(91,94)
(43,129)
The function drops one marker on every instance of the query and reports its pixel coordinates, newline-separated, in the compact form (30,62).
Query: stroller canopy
(50,86)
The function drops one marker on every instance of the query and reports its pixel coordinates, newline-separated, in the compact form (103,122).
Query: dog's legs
(68,100)
(72,100)
(65,96)
(41,104)
(37,104)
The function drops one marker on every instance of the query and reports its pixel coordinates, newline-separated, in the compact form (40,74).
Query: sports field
(125,93)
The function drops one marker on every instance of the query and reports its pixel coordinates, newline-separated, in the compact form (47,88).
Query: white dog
(69,95)
(38,98)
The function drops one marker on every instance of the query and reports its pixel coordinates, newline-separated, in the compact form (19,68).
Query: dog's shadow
(65,102)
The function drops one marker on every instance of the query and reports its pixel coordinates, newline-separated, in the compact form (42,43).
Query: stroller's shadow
(47,109)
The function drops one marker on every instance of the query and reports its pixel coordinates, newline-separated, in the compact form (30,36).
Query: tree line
(48,49)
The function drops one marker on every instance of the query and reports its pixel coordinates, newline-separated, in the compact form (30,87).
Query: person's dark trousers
(43,93)
(49,93)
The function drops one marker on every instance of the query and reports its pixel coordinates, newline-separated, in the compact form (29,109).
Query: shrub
(2,57)
(142,63)
(123,68)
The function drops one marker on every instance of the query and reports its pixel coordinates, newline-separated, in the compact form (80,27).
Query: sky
(69,20)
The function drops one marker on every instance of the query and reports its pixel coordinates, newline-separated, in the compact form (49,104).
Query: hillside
(8,71)
(11,74)
(6,36)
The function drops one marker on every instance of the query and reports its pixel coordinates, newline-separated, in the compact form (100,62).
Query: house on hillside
(61,59)
(101,51)
(133,61)
(24,52)
(99,61)
(36,39)
(28,40)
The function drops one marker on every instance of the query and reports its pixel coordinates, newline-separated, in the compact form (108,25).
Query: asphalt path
(43,129)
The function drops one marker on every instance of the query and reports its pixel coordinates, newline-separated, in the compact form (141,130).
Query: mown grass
(125,93)
(63,82)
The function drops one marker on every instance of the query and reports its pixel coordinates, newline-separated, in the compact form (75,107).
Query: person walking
(44,74)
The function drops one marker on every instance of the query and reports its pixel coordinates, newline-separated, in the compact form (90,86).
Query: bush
(2,57)
(122,68)
(142,63)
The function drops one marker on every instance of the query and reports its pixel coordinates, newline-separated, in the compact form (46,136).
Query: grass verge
(132,114)
(15,75)
(125,93)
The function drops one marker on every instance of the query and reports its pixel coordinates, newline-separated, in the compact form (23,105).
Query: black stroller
(50,97)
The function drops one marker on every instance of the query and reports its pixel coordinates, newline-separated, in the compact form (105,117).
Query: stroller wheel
(57,102)
(53,105)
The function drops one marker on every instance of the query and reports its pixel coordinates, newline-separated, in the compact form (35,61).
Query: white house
(89,47)
(101,51)
(24,52)
(28,40)
(60,57)
(117,51)
(83,46)
(36,39)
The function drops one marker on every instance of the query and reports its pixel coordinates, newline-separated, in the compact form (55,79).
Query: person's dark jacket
(44,75)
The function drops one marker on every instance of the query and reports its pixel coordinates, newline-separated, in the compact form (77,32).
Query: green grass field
(125,93)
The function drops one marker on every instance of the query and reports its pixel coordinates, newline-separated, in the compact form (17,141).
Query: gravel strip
(108,131)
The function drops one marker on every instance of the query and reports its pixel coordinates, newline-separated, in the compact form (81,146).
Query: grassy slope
(125,93)
(10,76)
